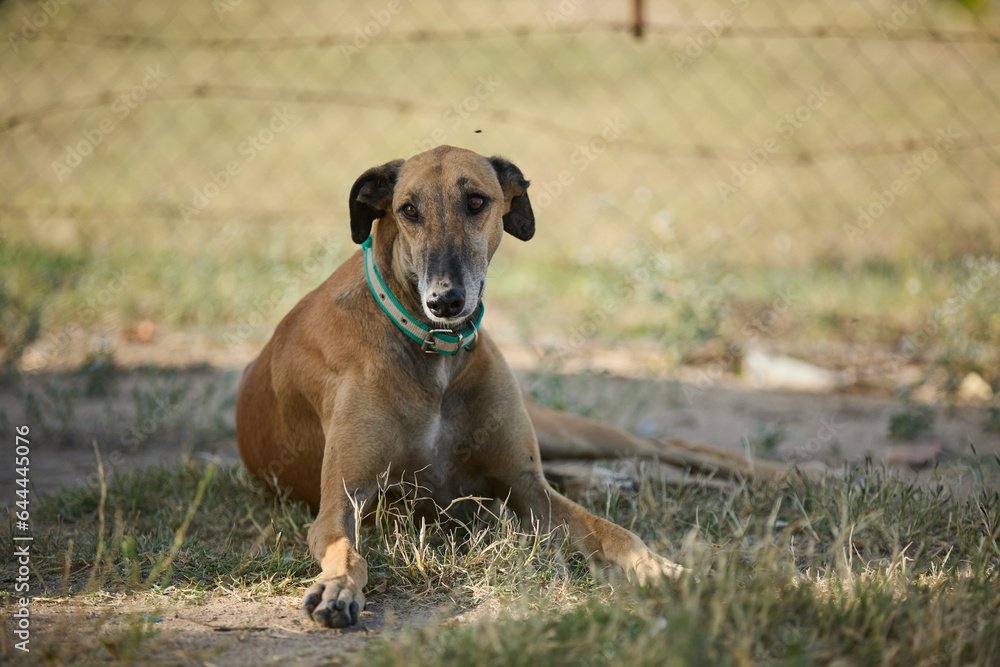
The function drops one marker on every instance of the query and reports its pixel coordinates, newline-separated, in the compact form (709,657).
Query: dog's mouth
(453,324)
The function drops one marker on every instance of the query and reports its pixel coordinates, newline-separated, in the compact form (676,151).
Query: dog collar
(441,341)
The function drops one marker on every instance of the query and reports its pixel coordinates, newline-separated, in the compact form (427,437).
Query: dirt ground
(231,631)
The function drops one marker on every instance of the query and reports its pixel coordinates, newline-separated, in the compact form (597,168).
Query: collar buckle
(429,346)
(475,338)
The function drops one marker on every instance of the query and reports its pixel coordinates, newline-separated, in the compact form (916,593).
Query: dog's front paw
(332,604)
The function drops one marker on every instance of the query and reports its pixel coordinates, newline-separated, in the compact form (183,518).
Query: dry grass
(869,568)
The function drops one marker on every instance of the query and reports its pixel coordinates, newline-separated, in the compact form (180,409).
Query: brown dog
(383,368)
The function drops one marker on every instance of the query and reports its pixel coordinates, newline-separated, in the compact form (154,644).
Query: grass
(766,618)
(763,442)
(140,408)
(911,422)
(32,275)
(870,569)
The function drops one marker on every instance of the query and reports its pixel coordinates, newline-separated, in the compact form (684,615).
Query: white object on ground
(779,372)
(975,389)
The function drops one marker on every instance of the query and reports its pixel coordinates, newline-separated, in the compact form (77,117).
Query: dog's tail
(564,436)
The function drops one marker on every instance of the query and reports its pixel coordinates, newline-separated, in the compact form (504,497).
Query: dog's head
(447,210)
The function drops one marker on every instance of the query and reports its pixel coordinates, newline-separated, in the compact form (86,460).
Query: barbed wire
(674,30)
(700,151)
(156,210)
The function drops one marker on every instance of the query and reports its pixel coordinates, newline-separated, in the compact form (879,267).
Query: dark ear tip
(520,220)
(527,229)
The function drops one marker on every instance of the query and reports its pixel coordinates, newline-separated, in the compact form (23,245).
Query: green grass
(911,422)
(138,409)
(742,617)
(870,568)
(32,276)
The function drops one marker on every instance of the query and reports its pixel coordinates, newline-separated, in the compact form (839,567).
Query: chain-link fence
(204,150)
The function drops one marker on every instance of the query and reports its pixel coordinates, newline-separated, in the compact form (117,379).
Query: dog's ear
(519,220)
(371,197)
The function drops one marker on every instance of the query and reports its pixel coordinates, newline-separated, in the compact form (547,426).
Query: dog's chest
(439,456)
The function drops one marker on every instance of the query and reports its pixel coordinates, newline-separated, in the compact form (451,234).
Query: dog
(384,368)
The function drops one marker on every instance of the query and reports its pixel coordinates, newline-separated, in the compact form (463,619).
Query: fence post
(637,20)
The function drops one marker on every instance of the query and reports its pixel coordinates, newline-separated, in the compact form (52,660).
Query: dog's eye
(410,211)
(476,203)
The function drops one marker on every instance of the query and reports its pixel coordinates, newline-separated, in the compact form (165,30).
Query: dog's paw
(651,568)
(331,604)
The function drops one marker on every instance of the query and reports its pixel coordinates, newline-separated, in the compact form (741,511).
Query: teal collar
(440,341)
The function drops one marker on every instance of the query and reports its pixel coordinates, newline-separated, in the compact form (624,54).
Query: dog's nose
(446,305)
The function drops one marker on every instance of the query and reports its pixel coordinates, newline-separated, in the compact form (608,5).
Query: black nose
(446,305)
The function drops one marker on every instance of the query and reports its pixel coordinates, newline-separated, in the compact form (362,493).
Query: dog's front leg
(353,456)
(336,600)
